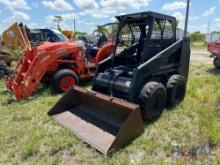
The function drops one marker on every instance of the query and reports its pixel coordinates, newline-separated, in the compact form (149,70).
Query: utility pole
(74,34)
(58,20)
(208,26)
(187,18)
(74,25)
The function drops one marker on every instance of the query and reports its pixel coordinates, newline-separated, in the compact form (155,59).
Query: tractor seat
(150,49)
(91,51)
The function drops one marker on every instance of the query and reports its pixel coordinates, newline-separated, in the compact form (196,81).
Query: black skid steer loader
(147,71)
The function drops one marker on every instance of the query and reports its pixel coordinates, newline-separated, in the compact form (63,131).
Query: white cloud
(99,13)
(20,16)
(204,27)
(68,18)
(179,16)
(35,4)
(33,25)
(17,16)
(210,11)
(122,4)
(107,8)
(217,19)
(201,28)
(85,4)
(50,20)
(15,4)
(113,19)
(89,23)
(59,5)
(192,18)
(83,22)
(122,14)
(174,6)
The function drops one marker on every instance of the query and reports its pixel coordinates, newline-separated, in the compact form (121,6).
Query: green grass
(29,136)
(199,46)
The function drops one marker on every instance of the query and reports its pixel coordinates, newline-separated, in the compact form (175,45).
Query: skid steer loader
(147,71)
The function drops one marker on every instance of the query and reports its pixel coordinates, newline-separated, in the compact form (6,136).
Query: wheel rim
(66,83)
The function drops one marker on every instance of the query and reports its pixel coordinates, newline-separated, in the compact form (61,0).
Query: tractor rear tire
(63,80)
(216,62)
(176,90)
(153,100)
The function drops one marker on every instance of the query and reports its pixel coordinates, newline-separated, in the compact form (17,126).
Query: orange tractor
(62,64)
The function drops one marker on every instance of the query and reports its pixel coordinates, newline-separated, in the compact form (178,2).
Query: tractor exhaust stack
(104,122)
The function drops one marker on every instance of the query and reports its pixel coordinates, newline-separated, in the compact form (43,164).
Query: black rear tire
(58,77)
(216,62)
(153,100)
(176,90)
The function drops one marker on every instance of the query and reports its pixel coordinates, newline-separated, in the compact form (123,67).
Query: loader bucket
(15,41)
(105,123)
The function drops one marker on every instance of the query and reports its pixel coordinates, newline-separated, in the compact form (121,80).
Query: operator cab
(143,35)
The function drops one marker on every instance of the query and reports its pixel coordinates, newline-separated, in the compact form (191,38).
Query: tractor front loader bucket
(15,41)
(105,123)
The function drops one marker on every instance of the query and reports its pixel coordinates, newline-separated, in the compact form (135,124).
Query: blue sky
(89,13)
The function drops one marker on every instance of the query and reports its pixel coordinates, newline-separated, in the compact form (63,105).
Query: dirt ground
(202,57)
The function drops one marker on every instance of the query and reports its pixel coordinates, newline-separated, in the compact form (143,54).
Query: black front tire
(216,62)
(176,90)
(59,75)
(153,100)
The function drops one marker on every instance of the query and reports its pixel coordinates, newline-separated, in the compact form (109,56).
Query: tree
(215,32)
(101,29)
(80,33)
(197,37)
(177,23)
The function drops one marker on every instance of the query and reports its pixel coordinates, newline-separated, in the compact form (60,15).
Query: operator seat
(150,49)
(91,51)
